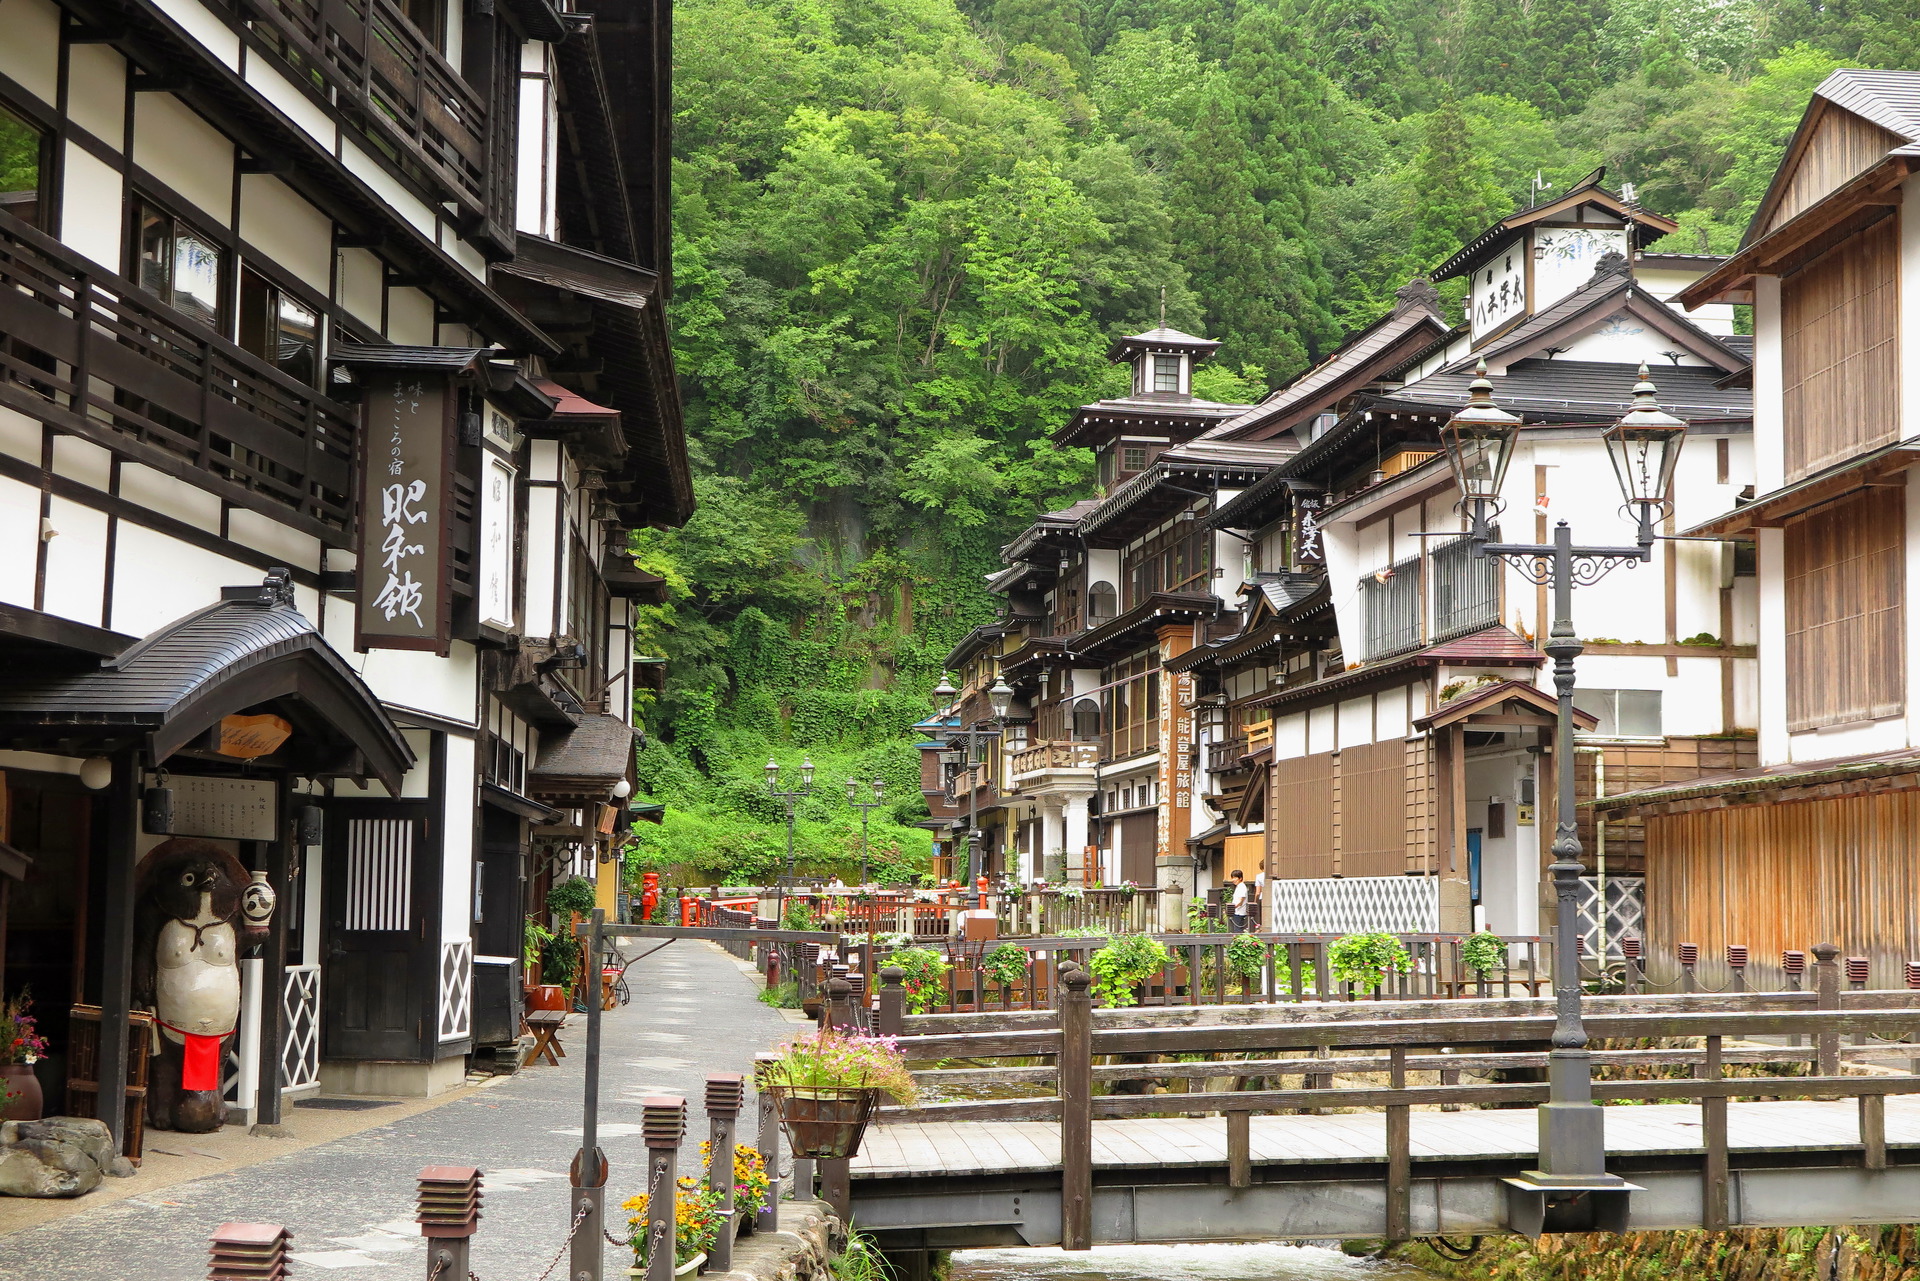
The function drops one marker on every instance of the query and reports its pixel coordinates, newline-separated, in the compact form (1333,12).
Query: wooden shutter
(1139,843)
(1845,625)
(1300,814)
(1373,809)
(1838,326)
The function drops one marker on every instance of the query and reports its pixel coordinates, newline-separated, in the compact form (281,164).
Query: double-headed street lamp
(1572,1188)
(1000,698)
(866,808)
(791,799)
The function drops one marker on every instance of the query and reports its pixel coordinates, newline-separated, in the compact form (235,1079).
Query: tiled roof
(1891,99)
(595,753)
(1581,389)
(1753,784)
(1494,645)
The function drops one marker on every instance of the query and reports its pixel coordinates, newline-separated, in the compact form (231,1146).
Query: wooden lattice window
(1838,355)
(1845,629)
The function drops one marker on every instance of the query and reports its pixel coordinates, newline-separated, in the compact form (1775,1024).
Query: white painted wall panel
(20,436)
(263,533)
(288,230)
(19,541)
(90,207)
(456,864)
(157,579)
(97,92)
(445,687)
(362,286)
(165,496)
(385,186)
(541,558)
(1356,722)
(410,317)
(175,145)
(1290,736)
(292,104)
(1320,730)
(30,53)
(463,253)
(76,562)
(200,23)
(82,460)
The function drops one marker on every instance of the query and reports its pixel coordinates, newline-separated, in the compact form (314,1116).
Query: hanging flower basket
(824,1122)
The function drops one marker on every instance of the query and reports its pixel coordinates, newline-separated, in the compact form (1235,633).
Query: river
(1178,1263)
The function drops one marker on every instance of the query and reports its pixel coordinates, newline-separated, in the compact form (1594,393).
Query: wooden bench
(546,1025)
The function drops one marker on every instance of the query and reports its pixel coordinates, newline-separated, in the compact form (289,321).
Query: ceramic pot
(823,1123)
(25,1100)
(257,900)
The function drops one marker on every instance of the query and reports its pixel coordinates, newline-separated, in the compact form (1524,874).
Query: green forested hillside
(906,230)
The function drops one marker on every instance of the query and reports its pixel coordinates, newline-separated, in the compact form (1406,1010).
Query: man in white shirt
(1257,910)
(1237,905)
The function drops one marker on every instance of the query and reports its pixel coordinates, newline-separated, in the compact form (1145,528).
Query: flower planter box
(823,1123)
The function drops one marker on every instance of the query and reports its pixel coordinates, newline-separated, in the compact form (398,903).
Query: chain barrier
(578,1218)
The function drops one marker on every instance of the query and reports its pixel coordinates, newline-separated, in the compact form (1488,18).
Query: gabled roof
(1218,462)
(1648,226)
(1410,330)
(1578,391)
(1611,292)
(1488,699)
(585,761)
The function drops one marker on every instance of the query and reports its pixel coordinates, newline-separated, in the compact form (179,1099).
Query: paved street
(349,1202)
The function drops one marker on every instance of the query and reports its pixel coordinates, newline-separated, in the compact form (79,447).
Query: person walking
(1257,902)
(1237,905)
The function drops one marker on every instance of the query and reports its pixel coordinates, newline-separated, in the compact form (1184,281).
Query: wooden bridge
(1392,1119)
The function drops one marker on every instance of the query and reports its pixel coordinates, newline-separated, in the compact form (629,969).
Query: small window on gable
(1166,373)
(23,168)
(180,265)
(1133,458)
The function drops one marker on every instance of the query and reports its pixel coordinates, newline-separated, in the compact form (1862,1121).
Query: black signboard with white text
(405,598)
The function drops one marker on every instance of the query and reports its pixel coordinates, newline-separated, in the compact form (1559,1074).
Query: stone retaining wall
(1890,1253)
(802,1250)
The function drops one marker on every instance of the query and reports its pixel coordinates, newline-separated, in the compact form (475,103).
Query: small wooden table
(546,1025)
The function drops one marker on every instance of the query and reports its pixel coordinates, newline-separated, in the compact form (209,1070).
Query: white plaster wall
(542,557)
(173,143)
(1322,736)
(1509,865)
(385,186)
(263,533)
(164,496)
(1665,283)
(1625,340)
(290,102)
(30,53)
(410,317)
(1290,736)
(1344,565)
(97,92)
(362,286)
(82,460)
(459,806)
(1103,566)
(205,28)
(1769,389)
(1772,627)
(157,579)
(90,203)
(20,436)
(1355,722)
(416,679)
(76,562)
(1568,259)
(288,230)
(535,185)
(19,541)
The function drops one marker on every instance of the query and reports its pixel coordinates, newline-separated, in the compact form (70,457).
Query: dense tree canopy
(907,229)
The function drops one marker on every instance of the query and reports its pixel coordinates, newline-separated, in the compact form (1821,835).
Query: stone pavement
(349,1202)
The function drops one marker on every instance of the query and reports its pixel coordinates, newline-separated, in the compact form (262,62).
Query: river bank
(1887,1253)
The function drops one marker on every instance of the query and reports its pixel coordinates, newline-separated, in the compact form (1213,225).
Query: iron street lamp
(1571,1189)
(866,809)
(791,799)
(1000,700)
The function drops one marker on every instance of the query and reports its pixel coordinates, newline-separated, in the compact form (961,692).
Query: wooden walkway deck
(1010,1147)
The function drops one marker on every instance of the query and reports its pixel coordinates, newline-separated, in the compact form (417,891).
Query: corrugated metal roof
(1891,99)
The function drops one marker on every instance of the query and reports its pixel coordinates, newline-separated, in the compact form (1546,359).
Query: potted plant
(696,1226)
(21,1045)
(1247,958)
(824,1087)
(1365,960)
(750,1181)
(1125,965)
(926,979)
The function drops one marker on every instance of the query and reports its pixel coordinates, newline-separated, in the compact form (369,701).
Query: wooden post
(837,1011)
(768,1218)
(116,945)
(448,1197)
(1713,1126)
(836,1186)
(893,1001)
(1399,1153)
(1239,1148)
(1076,1112)
(1873,1131)
(1826,987)
(726,1093)
(663,1123)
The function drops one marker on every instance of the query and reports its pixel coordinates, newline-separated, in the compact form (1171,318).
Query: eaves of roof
(1161,480)
(1766,783)
(1493,647)
(1149,612)
(1593,302)
(1647,226)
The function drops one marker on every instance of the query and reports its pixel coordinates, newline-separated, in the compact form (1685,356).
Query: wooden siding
(1422,808)
(1839,331)
(1839,146)
(1629,767)
(1300,816)
(1373,832)
(1139,842)
(1845,624)
(1842,870)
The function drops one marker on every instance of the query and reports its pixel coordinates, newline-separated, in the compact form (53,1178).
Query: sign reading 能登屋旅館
(404,598)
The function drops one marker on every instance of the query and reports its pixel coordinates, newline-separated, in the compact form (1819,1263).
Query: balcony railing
(1225,754)
(92,353)
(392,85)
(1052,755)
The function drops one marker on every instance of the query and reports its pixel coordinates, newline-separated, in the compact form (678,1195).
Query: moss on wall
(1887,1253)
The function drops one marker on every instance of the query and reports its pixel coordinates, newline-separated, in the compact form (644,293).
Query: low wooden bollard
(663,1123)
(893,1001)
(243,1251)
(1399,1153)
(726,1095)
(448,1199)
(768,1217)
(1076,1111)
(1826,986)
(1239,1148)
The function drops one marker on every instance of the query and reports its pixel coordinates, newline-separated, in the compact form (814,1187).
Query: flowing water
(1178,1263)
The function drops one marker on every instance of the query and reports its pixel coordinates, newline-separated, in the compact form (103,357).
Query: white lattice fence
(300,1007)
(1356,904)
(1626,912)
(456,989)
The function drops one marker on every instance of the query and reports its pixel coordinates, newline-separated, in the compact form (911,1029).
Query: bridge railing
(1443,1042)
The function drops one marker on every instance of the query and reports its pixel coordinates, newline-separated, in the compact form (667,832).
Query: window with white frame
(1166,373)
(1622,713)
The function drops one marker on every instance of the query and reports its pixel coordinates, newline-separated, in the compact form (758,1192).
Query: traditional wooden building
(1816,842)
(333,371)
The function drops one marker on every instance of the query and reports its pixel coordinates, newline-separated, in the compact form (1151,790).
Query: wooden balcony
(1045,756)
(91,353)
(1226,754)
(393,87)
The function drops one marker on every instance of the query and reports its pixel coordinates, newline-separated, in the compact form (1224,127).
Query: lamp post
(791,799)
(1000,698)
(866,809)
(1571,1189)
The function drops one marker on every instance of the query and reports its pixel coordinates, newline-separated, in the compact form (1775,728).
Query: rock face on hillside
(60,1156)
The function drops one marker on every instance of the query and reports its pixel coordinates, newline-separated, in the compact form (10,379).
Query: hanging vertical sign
(405,596)
(1308,548)
(1176,742)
